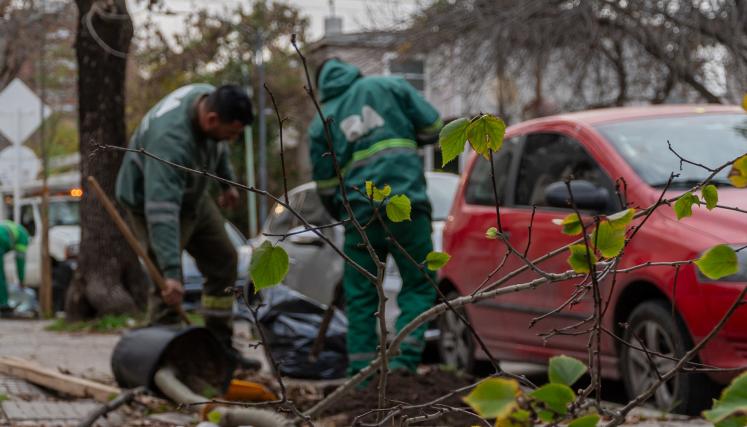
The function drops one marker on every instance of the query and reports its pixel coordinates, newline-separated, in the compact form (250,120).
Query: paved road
(81,354)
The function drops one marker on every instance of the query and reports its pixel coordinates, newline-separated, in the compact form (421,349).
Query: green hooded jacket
(162,193)
(376,123)
(14,237)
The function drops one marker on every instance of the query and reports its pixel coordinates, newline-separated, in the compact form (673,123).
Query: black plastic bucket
(193,351)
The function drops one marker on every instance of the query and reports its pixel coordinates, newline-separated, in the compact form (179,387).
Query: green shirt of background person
(377,124)
(13,237)
(170,209)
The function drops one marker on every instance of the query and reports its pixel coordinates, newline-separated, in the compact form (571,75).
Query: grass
(108,324)
(111,323)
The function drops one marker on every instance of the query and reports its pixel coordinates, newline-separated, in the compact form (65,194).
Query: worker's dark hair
(319,69)
(231,103)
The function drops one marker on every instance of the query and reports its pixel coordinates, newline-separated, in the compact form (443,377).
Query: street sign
(19,160)
(20,112)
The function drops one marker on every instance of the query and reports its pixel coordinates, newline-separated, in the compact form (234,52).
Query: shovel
(153,272)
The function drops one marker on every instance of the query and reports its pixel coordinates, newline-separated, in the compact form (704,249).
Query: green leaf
(733,402)
(398,209)
(738,173)
(214,417)
(710,195)
(377,194)
(579,259)
(546,416)
(717,262)
(585,421)
(435,260)
(269,265)
(493,398)
(452,138)
(684,205)
(492,233)
(486,133)
(565,370)
(571,224)
(556,397)
(621,219)
(608,240)
(517,418)
(736,421)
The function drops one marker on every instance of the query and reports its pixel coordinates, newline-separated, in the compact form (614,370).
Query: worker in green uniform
(170,209)
(13,237)
(377,125)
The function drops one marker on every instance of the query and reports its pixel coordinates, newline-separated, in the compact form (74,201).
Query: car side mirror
(302,236)
(586,195)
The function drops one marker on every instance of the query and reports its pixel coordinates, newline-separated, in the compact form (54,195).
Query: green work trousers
(203,234)
(361,298)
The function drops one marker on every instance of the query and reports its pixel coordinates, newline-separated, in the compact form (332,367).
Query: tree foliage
(581,54)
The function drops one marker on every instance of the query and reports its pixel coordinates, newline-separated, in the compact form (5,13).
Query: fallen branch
(123,399)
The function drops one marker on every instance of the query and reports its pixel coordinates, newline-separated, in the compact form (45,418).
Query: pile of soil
(408,389)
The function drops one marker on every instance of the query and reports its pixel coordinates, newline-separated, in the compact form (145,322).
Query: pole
(17,178)
(262,127)
(45,296)
(249,160)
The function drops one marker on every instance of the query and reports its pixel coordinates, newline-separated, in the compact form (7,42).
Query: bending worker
(170,209)
(13,237)
(376,122)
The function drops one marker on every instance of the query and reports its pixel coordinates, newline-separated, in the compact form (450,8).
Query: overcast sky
(356,14)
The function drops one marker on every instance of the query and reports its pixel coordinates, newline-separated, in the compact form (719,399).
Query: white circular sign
(18,159)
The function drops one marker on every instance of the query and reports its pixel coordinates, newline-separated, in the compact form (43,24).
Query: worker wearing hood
(376,124)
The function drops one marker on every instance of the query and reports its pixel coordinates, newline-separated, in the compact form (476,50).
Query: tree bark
(109,279)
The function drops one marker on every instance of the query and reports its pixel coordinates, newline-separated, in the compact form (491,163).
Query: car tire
(652,322)
(456,346)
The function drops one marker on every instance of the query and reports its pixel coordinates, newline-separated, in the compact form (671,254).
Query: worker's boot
(222,329)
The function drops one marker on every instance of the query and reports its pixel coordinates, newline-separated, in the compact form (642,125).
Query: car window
(27,219)
(479,188)
(313,211)
(441,189)
(548,158)
(65,212)
(281,220)
(234,235)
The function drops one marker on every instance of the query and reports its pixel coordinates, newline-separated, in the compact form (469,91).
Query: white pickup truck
(64,237)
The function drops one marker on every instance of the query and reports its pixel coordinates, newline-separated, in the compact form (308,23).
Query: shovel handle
(153,272)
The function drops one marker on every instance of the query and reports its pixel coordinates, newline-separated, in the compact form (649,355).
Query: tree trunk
(109,279)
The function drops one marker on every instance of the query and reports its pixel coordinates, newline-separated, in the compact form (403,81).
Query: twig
(380,266)
(684,160)
(123,399)
(620,416)
(280,136)
(427,316)
(264,193)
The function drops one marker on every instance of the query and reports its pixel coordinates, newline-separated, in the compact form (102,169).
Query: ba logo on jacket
(356,126)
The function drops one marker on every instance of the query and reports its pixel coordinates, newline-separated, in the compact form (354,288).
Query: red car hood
(727,226)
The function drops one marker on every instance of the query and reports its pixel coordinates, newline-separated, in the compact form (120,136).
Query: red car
(605,150)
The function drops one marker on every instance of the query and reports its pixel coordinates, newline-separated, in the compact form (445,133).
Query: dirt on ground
(406,389)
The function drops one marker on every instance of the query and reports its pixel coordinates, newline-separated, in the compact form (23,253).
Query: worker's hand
(229,198)
(173,292)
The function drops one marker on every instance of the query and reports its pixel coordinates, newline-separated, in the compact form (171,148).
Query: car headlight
(739,277)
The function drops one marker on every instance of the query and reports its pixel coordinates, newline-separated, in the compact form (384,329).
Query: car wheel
(651,324)
(455,343)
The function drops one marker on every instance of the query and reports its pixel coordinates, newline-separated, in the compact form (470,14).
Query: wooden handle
(153,271)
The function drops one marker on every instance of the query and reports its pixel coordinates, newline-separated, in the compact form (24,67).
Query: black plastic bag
(291,322)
